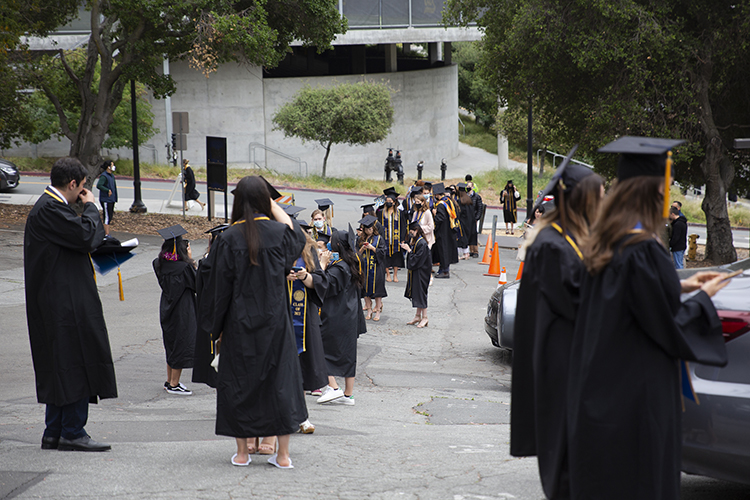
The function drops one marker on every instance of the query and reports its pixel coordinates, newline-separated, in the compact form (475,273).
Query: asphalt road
(430,420)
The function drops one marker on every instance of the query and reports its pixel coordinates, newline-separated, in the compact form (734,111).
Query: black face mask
(388,203)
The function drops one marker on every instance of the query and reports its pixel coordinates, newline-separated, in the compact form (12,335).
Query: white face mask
(319,224)
(113,168)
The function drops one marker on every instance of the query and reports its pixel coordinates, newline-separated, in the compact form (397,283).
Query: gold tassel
(119,282)
(667,182)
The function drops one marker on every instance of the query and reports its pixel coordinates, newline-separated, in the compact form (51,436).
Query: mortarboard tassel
(667,182)
(119,282)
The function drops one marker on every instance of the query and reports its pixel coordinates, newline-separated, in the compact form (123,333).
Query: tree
(601,70)
(352,113)
(474,92)
(130,38)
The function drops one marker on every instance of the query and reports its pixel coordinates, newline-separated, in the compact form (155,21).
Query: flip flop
(238,464)
(273,462)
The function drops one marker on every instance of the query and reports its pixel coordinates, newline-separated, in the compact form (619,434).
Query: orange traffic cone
(520,271)
(487,257)
(503,280)
(494,269)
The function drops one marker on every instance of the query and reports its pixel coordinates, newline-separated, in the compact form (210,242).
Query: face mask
(388,203)
(113,168)
(328,246)
(334,256)
(319,224)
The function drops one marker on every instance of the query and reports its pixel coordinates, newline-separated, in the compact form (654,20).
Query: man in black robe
(445,248)
(69,342)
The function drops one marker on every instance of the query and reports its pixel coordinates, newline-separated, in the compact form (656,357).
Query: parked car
(9,176)
(716,431)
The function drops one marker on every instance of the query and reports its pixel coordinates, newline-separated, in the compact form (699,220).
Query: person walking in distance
(107,193)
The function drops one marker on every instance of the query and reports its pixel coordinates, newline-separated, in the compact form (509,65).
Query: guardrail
(555,156)
(257,145)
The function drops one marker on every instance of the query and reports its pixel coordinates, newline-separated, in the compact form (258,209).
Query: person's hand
(406,247)
(370,246)
(86,196)
(110,192)
(291,276)
(712,286)
(325,257)
(695,281)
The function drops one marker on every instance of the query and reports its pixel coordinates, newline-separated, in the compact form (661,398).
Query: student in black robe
(419,264)
(341,316)
(445,249)
(307,286)
(204,353)
(259,390)
(466,221)
(548,300)
(372,248)
(69,342)
(392,225)
(624,409)
(509,196)
(191,193)
(177,309)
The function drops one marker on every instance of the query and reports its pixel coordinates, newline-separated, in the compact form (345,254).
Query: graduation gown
(392,228)
(191,193)
(508,199)
(624,412)
(177,313)
(419,264)
(68,335)
(203,355)
(548,300)
(312,356)
(373,267)
(342,320)
(259,389)
(445,247)
(465,215)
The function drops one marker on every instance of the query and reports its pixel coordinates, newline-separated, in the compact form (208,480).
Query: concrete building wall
(237,103)
(425,123)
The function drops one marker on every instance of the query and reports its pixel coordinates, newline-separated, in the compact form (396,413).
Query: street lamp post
(138,206)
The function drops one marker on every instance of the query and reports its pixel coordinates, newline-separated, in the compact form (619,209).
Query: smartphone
(732,274)
(297,269)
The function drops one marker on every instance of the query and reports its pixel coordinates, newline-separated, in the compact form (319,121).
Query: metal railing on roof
(384,14)
(555,156)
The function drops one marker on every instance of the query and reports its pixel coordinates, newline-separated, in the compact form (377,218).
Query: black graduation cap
(172,232)
(462,186)
(640,155)
(368,207)
(391,192)
(217,230)
(414,224)
(415,190)
(292,210)
(438,188)
(324,203)
(351,238)
(275,195)
(427,184)
(323,237)
(368,220)
(566,176)
(305,227)
(111,253)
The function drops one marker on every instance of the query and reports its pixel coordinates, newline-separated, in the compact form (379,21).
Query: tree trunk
(541,161)
(718,171)
(325,158)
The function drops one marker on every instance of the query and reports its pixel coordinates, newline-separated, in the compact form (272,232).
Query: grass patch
(492,183)
(478,136)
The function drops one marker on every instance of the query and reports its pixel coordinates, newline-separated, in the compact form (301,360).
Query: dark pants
(67,421)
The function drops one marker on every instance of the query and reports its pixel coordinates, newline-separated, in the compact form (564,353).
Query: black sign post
(216,171)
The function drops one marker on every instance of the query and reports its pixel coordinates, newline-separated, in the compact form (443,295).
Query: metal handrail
(556,155)
(254,145)
(462,125)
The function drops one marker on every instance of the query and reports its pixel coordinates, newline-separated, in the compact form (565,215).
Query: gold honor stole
(372,266)
(570,240)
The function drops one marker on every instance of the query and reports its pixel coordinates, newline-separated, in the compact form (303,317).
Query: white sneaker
(346,400)
(329,394)
(306,427)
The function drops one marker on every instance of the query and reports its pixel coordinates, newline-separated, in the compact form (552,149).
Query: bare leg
(106,229)
(332,382)
(283,455)
(395,275)
(174,378)
(348,386)
(368,308)
(242,452)
(378,308)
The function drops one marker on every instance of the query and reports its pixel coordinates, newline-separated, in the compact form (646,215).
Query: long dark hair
(340,244)
(420,232)
(171,245)
(251,197)
(632,201)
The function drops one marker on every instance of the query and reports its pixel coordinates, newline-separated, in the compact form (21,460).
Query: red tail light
(734,323)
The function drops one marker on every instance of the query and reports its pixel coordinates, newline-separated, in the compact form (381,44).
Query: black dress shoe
(442,275)
(84,443)
(49,443)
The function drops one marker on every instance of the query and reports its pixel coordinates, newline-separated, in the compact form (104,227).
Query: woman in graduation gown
(259,389)
(445,250)
(174,268)
(466,220)
(341,316)
(548,299)
(624,410)
(423,215)
(392,222)
(419,264)
(307,288)
(372,249)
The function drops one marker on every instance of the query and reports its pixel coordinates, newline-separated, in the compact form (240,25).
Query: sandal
(267,448)
(252,449)
(423,323)
(416,320)
(376,316)
(369,314)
